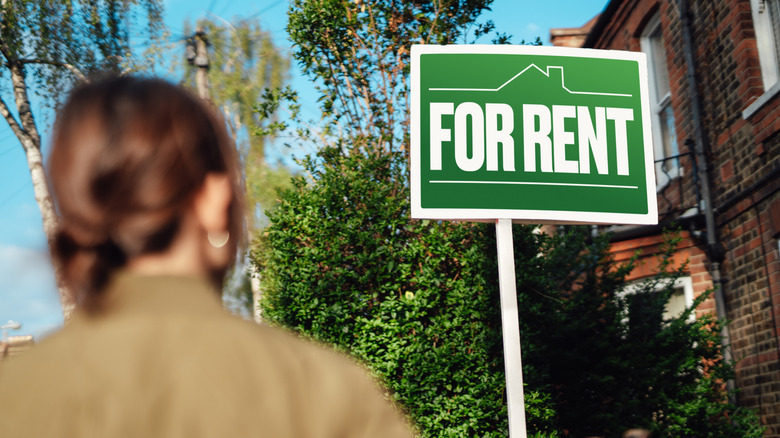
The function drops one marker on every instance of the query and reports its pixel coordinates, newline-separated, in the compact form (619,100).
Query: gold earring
(218,239)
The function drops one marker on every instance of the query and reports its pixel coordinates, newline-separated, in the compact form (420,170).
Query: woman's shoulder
(216,365)
(290,349)
(332,387)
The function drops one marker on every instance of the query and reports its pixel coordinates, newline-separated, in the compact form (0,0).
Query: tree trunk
(27,133)
(257,293)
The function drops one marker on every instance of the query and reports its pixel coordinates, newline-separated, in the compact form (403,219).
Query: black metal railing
(674,176)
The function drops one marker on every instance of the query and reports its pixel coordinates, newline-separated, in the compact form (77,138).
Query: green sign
(541,134)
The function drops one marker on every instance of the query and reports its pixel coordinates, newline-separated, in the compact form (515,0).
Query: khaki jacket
(165,360)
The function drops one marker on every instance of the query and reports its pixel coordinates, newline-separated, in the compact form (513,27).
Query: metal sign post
(510,326)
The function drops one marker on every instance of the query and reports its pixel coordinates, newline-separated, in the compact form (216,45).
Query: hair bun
(86,267)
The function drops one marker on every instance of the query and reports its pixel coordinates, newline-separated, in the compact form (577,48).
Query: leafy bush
(414,300)
(610,359)
(417,302)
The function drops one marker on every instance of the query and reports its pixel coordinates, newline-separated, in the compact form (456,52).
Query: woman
(147,184)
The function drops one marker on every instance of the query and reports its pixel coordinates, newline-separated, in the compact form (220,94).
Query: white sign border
(535,216)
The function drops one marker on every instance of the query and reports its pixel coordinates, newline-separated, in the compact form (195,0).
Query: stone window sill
(761,101)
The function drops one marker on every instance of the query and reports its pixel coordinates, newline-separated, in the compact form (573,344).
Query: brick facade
(742,153)
(571,36)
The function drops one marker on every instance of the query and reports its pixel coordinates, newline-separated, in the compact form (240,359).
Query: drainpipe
(715,250)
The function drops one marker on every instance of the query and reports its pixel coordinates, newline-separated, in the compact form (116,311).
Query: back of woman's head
(128,155)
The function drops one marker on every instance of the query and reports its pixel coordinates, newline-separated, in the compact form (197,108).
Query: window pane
(668,136)
(658,61)
(664,135)
(676,304)
(766,22)
(773,7)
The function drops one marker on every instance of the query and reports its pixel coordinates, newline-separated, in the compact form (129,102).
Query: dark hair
(128,154)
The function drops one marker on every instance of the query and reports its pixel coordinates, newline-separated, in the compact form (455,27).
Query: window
(664,135)
(766,22)
(681,298)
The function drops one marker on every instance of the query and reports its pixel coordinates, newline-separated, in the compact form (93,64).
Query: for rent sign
(531,133)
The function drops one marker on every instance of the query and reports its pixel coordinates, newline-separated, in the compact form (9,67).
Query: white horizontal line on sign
(527,183)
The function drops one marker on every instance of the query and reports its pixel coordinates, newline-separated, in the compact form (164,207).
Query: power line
(12,148)
(224,8)
(268,8)
(16,192)
(211,7)
(10,134)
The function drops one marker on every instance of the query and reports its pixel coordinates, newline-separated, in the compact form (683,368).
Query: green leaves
(55,38)
(245,67)
(358,53)
(417,302)
(613,361)
(342,263)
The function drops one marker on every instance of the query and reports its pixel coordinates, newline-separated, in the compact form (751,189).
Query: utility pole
(198,55)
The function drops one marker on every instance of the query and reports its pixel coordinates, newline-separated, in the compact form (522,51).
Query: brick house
(715,103)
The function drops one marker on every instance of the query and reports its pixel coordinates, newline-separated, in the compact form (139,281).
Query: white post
(510,329)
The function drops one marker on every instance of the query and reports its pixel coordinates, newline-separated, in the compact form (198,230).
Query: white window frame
(652,28)
(767,54)
(684,283)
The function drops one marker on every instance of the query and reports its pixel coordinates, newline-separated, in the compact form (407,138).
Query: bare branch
(437,12)
(15,127)
(338,92)
(22,101)
(76,72)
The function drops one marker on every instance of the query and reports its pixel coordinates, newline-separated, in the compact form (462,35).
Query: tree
(243,62)
(49,45)
(358,52)
(342,264)
(610,355)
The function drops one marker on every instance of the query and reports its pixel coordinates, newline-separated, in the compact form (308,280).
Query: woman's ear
(212,203)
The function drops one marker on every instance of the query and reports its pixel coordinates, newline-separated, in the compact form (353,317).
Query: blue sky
(27,290)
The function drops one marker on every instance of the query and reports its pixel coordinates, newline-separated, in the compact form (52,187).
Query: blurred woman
(147,185)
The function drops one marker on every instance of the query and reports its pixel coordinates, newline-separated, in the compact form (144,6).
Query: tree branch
(15,127)
(22,100)
(76,72)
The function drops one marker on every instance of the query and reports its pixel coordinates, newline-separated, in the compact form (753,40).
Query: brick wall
(742,152)
(688,252)
(571,36)
(743,158)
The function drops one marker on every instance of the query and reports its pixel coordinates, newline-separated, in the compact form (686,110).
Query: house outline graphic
(546,73)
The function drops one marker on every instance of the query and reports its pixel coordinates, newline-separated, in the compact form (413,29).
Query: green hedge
(342,263)
(417,302)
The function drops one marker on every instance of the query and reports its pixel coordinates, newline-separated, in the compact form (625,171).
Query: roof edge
(604,18)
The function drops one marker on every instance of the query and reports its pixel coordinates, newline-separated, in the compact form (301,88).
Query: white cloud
(28,292)
(532,27)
